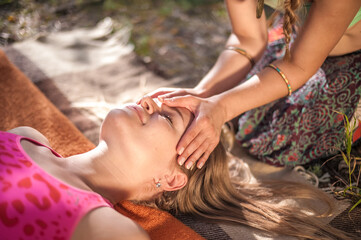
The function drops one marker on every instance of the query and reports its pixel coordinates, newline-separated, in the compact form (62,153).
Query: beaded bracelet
(283,76)
(243,52)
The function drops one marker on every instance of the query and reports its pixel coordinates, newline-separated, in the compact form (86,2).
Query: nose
(149,105)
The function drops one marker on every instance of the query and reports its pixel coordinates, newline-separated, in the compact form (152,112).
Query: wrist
(222,110)
(230,104)
(202,92)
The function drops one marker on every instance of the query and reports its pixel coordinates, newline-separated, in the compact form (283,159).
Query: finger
(160,91)
(191,149)
(203,159)
(156,93)
(145,104)
(171,95)
(196,155)
(140,100)
(189,135)
(181,101)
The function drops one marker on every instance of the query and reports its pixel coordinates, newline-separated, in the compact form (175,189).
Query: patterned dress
(304,126)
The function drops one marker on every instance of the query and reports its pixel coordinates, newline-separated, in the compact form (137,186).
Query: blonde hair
(212,195)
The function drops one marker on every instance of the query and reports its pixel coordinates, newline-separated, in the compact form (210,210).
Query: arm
(248,33)
(326,23)
(324,27)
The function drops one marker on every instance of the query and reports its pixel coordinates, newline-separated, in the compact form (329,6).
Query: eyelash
(168,118)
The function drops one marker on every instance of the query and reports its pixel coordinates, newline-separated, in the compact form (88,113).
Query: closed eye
(167,117)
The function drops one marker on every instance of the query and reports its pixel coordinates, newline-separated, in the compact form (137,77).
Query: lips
(139,111)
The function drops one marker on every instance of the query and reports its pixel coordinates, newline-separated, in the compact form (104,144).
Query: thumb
(159,93)
(170,95)
(181,101)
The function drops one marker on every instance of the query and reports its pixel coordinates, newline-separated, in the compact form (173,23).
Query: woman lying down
(44,195)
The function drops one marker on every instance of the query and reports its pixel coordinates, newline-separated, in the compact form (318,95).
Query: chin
(117,121)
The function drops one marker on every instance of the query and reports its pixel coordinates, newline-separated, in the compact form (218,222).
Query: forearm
(261,89)
(231,67)
(248,33)
(319,35)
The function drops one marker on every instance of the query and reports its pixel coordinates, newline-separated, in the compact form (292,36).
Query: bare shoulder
(106,223)
(32,133)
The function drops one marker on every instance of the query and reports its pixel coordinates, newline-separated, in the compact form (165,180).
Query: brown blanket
(22,104)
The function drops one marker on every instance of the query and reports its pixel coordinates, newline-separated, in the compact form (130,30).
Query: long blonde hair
(212,195)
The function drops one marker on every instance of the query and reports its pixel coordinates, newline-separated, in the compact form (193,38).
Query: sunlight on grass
(351,187)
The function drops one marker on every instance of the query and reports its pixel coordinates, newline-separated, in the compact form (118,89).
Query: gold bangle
(243,52)
(283,77)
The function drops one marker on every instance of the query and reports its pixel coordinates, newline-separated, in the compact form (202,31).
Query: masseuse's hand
(162,93)
(203,134)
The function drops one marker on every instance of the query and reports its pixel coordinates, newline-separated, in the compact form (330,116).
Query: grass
(351,185)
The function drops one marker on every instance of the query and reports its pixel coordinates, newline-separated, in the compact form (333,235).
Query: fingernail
(189,165)
(181,160)
(181,151)
(200,165)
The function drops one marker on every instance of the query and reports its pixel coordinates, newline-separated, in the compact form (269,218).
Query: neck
(98,171)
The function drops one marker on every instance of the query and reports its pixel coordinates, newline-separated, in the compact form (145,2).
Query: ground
(173,38)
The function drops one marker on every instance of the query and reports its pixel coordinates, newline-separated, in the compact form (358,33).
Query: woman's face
(145,137)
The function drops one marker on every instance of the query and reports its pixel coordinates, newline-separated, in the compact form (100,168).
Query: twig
(330,159)
(342,180)
(358,177)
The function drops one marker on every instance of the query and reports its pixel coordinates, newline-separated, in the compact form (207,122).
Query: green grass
(351,186)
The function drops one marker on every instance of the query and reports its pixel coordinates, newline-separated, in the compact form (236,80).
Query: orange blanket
(22,104)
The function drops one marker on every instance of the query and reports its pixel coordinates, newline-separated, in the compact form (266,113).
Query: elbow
(255,43)
(262,40)
(259,38)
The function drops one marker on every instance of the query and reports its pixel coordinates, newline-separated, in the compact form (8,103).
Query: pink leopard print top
(33,204)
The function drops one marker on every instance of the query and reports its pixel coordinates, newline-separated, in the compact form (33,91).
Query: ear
(175,181)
